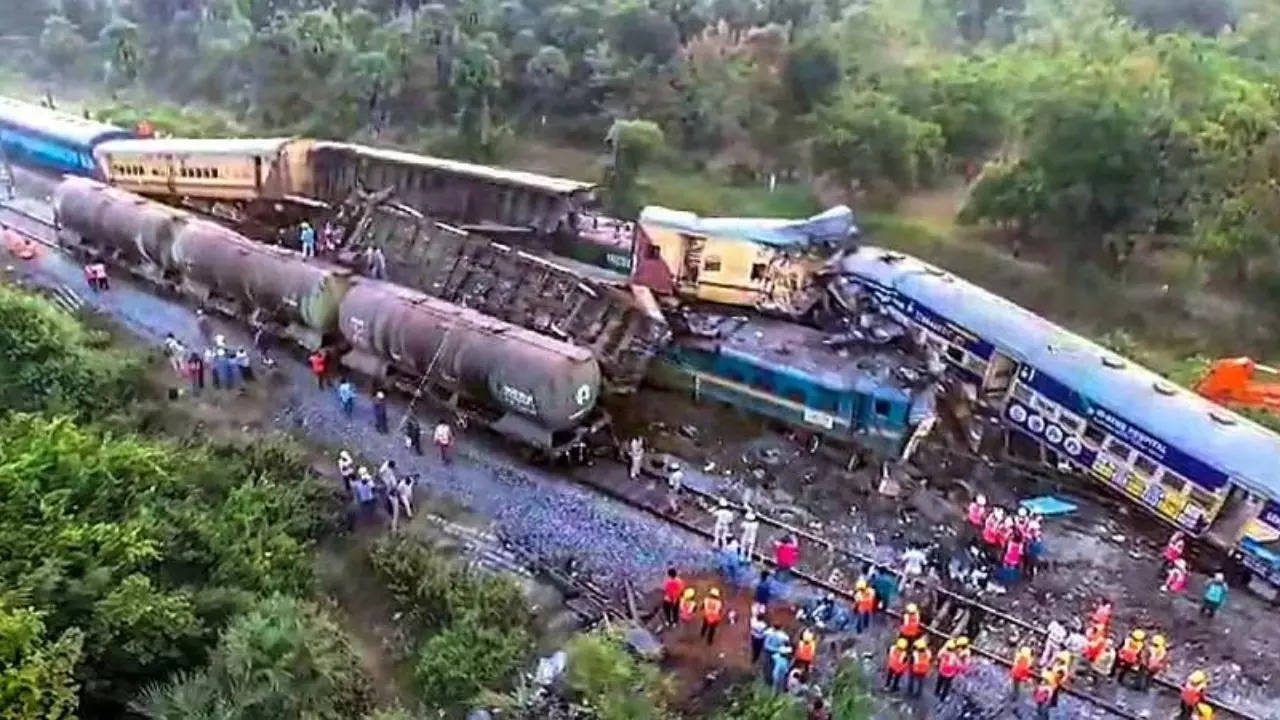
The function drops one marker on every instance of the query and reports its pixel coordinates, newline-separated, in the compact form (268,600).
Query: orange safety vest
(1156,658)
(897,661)
(910,625)
(711,610)
(805,650)
(864,600)
(1102,616)
(1130,651)
(920,662)
(1192,694)
(1095,640)
(949,664)
(687,609)
(1021,669)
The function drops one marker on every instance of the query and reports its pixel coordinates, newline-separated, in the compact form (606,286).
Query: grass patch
(708,195)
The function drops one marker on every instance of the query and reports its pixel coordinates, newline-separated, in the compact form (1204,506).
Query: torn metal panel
(471,270)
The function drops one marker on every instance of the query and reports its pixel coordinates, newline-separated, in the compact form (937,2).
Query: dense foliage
(612,682)
(48,361)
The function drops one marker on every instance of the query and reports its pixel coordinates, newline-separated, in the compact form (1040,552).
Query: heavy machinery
(1231,382)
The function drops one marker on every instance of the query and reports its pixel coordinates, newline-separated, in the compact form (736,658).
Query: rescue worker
(319,367)
(380,412)
(806,649)
(750,528)
(1044,694)
(1103,665)
(949,666)
(895,665)
(1204,711)
(688,605)
(912,628)
(1192,694)
(780,665)
(1053,641)
(1061,670)
(991,531)
(672,589)
(1215,594)
(775,641)
(1154,662)
(763,592)
(1176,581)
(977,514)
(442,436)
(758,629)
(1102,614)
(413,434)
(347,397)
(1130,655)
(1012,566)
(1020,671)
(1094,640)
(786,554)
(864,603)
(307,236)
(712,611)
(921,661)
(723,522)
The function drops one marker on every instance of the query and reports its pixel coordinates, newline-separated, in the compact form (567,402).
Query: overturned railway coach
(1184,459)
(38,137)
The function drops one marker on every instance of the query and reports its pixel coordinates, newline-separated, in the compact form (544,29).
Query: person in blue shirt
(775,639)
(780,663)
(1215,594)
(347,396)
(307,235)
(764,590)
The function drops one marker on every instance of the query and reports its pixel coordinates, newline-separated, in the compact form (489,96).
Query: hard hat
(1198,677)
(861,584)
(715,592)
(1204,711)
(1024,650)
(1217,576)
(962,641)
(1063,656)
(1139,635)
(688,594)
(1047,676)
(1158,640)
(806,635)
(724,503)
(982,499)
(751,515)
(363,471)
(921,644)
(345,455)
(901,644)
(911,608)
(1022,512)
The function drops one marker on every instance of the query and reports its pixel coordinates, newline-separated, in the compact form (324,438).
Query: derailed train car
(534,389)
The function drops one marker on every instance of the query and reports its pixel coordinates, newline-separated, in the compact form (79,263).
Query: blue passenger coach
(35,136)
(1185,459)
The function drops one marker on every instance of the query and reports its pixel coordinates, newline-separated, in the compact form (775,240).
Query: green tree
(37,677)
(476,79)
(850,696)
(866,137)
(284,658)
(121,41)
(632,143)
(812,72)
(61,44)
(641,33)
(757,701)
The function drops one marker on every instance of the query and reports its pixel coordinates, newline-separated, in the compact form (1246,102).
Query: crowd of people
(224,367)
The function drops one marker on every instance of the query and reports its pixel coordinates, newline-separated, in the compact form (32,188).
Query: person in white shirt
(1053,642)
(443,438)
(637,456)
(405,494)
(750,528)
(723,523)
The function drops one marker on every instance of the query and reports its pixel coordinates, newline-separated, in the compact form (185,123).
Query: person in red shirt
(319,363)
(1024,665)
(786,554)
(950,664)
(672,588)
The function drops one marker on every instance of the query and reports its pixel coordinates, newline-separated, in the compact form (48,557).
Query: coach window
(1144,467)
(956,354)
(712,263)
(881,408)
(1119,449)
(653,252)
(1174,482)
(1093,436)
(757,271)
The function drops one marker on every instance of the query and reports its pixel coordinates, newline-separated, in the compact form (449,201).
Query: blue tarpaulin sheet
(1049,505)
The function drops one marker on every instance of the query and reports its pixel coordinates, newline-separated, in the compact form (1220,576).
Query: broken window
(757,271)
(881,408)
(653,252)
(712,263)
(956,354)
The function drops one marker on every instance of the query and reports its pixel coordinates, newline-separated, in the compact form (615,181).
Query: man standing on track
(443,439)
(723,522)
(672,589)
(750,529)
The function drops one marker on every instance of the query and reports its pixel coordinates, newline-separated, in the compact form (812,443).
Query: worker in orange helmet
(1044,694)
(1193,693)
(712,611)
(1130,655)
(1095,638)
(688,605)
(912,628)
(1024,665)
(864,603)
(921,662)
(806,649)
(950,663)
(1157,658)
(895,665)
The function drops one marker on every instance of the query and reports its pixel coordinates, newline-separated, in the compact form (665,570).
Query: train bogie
(532,388)
(230,169)
(265,284)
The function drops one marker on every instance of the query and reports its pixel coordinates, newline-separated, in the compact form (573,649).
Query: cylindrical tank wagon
(529,387)
(98,220)
(264,284)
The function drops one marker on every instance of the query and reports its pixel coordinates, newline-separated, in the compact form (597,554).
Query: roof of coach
(1215,435)
(197,146)
(57,124)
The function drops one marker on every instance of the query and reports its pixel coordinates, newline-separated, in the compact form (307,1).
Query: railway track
(40,229)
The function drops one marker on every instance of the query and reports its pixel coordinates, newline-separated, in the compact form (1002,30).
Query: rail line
(597,595)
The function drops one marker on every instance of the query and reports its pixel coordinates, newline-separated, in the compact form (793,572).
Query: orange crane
(1230,382)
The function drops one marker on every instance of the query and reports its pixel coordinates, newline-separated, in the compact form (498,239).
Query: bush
(434,592)
(467,657)
(617,686)
(48,361)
